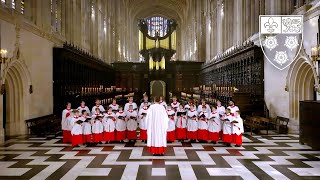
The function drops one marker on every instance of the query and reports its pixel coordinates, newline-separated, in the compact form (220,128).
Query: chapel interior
(58,51)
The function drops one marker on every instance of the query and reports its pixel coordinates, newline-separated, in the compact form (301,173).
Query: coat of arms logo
(281,38)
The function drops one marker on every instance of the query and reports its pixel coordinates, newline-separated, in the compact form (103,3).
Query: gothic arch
(157,83)
(300,83)
(17,80)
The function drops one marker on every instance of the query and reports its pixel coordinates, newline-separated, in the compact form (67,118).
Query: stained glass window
(157,25)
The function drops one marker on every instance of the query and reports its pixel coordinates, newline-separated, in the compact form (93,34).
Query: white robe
(202,124)
(214,123)
(163,103)
(73,122)
(81,108)
(65,121)
(227,126)
(126,106)
(181,121)
(192,122)
(121,125)
(142,105)
(233,109)
(157,125)
(142,119)
(187,107)
(221,110)
(131,123)
(115,107)
(94,109)
(172,122)
(208,110)
(109,123)
(76,129)
(97,126)
(86,126)
(237,128)
(175,105)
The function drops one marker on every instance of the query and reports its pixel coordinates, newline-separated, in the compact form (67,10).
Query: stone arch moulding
(18,80)
(299,83)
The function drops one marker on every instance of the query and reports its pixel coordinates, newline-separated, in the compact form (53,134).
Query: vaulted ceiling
(173,9)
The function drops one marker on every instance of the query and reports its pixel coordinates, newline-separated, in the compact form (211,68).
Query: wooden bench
(44,125)
(280,124)
(257,123)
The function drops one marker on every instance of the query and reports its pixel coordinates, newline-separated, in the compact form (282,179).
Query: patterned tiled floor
(261,157)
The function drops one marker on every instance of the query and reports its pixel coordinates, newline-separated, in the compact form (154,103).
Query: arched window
(157,25)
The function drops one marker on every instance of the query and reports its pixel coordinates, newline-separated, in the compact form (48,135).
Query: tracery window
(157,25)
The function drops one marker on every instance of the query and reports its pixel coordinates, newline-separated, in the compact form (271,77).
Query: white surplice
(127,105)
(115,107)
(237,128)
(81,108)
(94,109)
(214,123)
(142,118)
(66,118)
(132,123)
(157,125)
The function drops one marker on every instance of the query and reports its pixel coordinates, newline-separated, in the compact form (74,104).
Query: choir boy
(75,128)
(162,102)
(121,125)
(181,124)
(171,134)
(83,107)
(233,108)
(227,128)
(145,101)
(237,129)
(131,124)
(65,123)
(130,103)
(187,106)
(99,106)
(109,126)
(97,127)
(192,126)
(214,126)
(221,110)
(114,105)
(76,132)
(203,103)
(142,124)
(175,104)
(203,125)
(86,127)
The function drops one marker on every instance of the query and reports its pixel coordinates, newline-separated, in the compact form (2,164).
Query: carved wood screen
(242,69)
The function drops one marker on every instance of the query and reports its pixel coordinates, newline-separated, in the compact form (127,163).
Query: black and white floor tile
(260,157)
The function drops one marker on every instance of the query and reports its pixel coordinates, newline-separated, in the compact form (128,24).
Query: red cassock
(181,133)
(77,140)
(131,135)
(171,136)
(203,129)
(97,137)
(237,139)
(157,150)
(213,136)
(86,138)
(120,135)
(109,136)
(67,137)
(143,134)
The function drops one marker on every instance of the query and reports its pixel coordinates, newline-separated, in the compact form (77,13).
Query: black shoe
(228,144)
(237,145)
(76,146)
(84,143)
(100,142)
(134,141)
(106,142)
(214,142)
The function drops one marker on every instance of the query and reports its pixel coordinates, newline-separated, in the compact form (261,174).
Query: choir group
(186,122)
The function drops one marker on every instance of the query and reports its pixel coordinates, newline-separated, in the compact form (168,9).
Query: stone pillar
(2,130)
(46,14)
(18,5)
(208,33)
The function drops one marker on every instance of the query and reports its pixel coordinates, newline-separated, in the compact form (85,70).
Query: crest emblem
(281,38)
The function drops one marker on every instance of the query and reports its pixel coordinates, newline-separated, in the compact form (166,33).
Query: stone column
(2,130)
(18,5)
